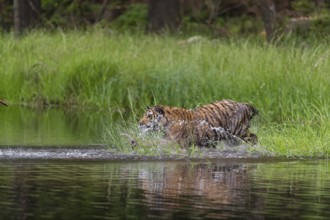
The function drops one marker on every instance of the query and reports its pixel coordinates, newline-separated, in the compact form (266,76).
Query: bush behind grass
(288,83)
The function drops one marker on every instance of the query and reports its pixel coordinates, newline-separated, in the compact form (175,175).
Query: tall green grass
(288,83)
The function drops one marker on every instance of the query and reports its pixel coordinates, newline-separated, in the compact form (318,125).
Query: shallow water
(80,134)
(24,126)
(221,189)
(54,165)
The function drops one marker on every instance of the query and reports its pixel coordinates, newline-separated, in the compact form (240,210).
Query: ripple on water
(29,152)
(100,152)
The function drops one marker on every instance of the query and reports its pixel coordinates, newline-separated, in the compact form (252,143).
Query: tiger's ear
(159,109)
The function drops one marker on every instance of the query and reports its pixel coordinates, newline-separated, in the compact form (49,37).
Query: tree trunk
(26,14)
(163,14)
(268,14)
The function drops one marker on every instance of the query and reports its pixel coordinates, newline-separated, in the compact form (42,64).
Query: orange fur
(232,117)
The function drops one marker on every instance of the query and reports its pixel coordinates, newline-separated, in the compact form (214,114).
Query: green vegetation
(289,83)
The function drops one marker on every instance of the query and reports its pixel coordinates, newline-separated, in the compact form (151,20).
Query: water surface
(222,189)
(64,181)
(25,127)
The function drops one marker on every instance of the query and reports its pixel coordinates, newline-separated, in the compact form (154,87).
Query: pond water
(37,183)
(24,126)
(221,189)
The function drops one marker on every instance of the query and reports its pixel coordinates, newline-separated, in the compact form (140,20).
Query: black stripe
(216,135)
(208,118)
(214,115)
(219,114)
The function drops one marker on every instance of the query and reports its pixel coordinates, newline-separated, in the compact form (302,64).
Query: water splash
(100,152)
(56,152)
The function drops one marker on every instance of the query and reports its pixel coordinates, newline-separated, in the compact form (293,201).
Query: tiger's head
(153,119)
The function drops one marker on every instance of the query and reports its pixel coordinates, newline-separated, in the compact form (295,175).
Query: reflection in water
(199,190)
(23,126)
(163,190)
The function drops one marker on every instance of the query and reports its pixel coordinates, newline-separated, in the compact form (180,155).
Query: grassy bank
(288,83)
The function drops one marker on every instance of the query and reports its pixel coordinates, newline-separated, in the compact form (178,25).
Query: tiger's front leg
(251,139)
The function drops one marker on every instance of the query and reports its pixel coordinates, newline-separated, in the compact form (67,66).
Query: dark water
(224,189)
(84,181)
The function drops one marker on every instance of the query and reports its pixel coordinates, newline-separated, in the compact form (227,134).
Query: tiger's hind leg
(232,140)
(227,137)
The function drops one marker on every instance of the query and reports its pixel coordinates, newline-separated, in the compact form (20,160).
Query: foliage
(318,27)
(215,18)
(135,17)
(5,14)
(303,6)
(288,83)
(68,14)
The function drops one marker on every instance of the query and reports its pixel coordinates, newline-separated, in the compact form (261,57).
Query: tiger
(225,119)
(198,133)
(3,103)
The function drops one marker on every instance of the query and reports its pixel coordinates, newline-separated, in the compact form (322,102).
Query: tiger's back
(233,116)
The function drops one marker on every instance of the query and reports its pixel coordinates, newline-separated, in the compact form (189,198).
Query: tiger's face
(153,119)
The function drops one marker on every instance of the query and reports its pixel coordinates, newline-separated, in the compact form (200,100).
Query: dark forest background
(219,18)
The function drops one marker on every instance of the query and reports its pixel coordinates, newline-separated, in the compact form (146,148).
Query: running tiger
(221,120)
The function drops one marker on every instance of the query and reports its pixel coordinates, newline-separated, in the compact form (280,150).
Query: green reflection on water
(23,126)
(164,190)
(301,189)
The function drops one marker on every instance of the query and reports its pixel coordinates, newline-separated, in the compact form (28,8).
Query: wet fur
(213,122)
(198,133)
